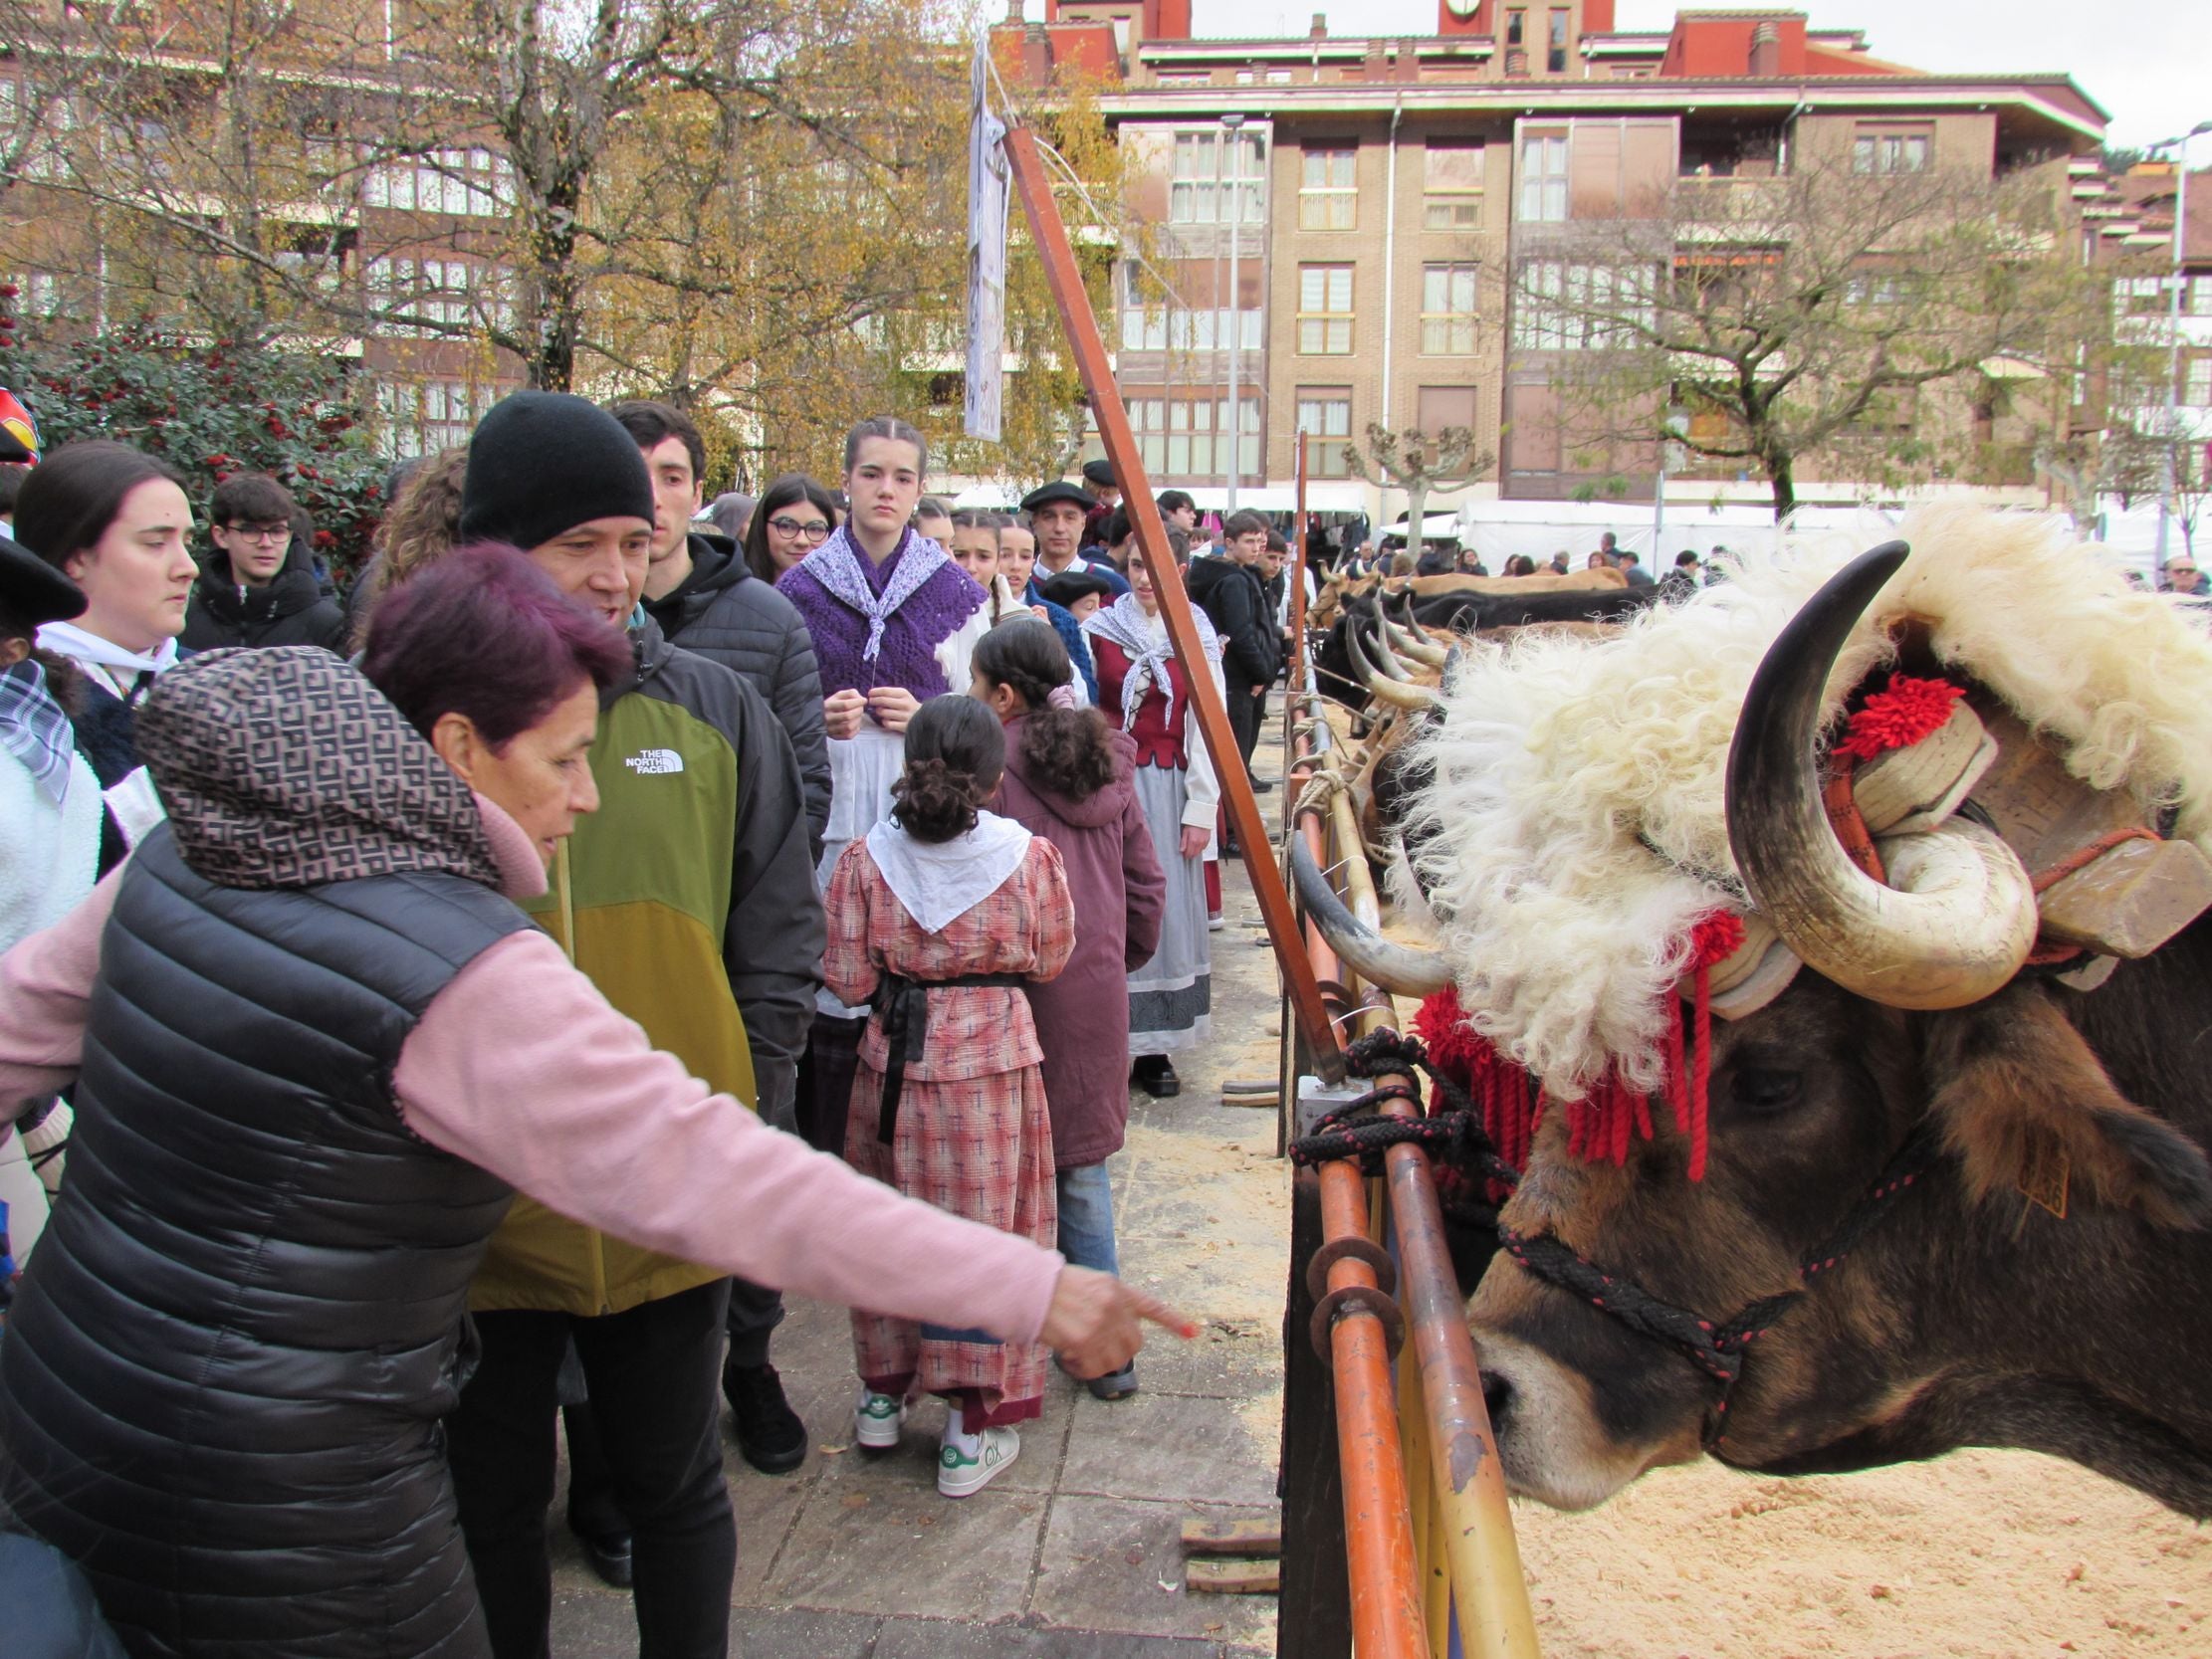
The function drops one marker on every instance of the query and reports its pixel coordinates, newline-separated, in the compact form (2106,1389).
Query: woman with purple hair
(315,1050)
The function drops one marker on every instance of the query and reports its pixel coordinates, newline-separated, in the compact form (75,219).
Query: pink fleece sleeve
(46,986)
(520,1066)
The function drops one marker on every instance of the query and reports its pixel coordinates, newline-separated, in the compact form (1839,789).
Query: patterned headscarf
(285,769)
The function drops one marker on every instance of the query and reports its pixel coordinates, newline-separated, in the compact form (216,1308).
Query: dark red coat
(1119,891)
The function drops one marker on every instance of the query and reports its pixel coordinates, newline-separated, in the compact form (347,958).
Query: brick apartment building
(1372,196)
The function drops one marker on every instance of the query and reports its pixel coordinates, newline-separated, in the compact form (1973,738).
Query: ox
(1857,1279)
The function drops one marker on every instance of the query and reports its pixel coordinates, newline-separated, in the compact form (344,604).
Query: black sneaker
(771,1435)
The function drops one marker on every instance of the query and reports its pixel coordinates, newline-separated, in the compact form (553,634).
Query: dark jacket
(291,610)
(222,1380)
(1114,877)
(1232,599)
(730,616)
(692,889)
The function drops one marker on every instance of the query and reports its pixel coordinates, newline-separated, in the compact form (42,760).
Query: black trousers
(1247,714)
(825,1074)
(653,1372)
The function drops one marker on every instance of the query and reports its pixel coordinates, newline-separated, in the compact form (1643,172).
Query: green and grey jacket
(689,900)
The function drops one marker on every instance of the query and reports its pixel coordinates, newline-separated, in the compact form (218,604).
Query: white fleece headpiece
(1576,813)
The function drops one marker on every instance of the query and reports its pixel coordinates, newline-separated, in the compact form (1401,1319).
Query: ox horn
(1426,652)
(1398,968)
(1960,916)
(1397,691)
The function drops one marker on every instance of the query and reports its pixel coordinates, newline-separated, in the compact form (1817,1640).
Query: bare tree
(1416,463)
(1766,322)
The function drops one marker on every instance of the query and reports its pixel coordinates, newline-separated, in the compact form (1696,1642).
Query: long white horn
(1426,652)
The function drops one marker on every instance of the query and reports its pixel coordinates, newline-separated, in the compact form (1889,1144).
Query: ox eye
(1765,1089)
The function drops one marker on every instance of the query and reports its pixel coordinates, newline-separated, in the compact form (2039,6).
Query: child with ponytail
(1070,779)
(938,917)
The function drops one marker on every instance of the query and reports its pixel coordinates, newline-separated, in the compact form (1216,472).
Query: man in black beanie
(689,900)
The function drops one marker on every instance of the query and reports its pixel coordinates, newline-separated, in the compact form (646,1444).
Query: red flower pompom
(1898,716)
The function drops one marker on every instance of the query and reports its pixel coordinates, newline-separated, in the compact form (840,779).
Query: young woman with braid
(1069,778)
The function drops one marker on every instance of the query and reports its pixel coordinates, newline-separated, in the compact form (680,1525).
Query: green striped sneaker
(878,1419)
(959,1476)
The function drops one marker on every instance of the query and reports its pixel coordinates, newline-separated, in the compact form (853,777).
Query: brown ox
(1963,1314)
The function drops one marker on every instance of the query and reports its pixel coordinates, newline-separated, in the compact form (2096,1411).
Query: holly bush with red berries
(212,409)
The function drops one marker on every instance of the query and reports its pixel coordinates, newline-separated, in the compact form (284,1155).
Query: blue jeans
(1087,1217)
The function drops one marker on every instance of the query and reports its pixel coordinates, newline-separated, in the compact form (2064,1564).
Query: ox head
(1964,1312)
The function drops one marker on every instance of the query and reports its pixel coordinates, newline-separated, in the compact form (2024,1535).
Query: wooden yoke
(1091,362)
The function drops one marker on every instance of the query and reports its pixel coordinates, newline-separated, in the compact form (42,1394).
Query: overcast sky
(2147,62)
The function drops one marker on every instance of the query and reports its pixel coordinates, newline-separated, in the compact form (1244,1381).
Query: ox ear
(2027,1107)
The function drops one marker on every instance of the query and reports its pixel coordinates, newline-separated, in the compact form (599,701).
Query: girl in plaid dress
(936,918)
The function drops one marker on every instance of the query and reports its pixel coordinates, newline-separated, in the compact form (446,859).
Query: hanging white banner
(988,192)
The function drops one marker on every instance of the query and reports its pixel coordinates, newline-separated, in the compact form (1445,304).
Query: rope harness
(1717,1349)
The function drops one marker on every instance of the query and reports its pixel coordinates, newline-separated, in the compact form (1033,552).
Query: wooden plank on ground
(1202,1537)
(1256,1577)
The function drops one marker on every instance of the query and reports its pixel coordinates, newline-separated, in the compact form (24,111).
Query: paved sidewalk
(1075,1550)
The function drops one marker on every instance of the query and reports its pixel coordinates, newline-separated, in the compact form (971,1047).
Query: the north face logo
(654,762)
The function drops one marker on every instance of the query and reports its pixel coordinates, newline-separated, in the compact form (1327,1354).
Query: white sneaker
(960,1475)
(878,1419)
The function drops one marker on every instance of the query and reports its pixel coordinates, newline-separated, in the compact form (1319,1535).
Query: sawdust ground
(1985,1554)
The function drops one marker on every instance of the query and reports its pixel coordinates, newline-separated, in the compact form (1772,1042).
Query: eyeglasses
(814,529)
(262,533)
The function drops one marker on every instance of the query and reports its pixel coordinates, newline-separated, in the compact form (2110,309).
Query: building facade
(1374,222)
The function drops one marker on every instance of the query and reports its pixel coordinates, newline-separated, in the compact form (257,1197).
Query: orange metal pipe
(1387,1617)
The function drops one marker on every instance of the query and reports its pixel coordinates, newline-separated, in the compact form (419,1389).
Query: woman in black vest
(314,1051)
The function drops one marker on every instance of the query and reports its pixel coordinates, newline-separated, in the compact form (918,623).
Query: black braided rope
(1719,1349)
(1453,1136)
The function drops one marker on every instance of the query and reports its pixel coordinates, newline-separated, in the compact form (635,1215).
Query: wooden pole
(1092,363)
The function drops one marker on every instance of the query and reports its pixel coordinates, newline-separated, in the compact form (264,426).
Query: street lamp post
(2168,456)
(1232,134)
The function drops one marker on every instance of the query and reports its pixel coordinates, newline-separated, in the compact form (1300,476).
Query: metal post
(1232,126)
(2168,451)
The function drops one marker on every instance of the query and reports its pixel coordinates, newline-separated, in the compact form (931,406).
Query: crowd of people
(450,1017)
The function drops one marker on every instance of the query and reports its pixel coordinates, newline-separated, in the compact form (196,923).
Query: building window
(1325,417)
(406,288)
(1439,407)
(1221,178)
(42,294)
(1153,321)
(2197,388)
(1893,150)
(422,417)
(1328,199)
(1516,28)
(2200,296)
(1574,306)
(1446,311)
(1544,177)
(1325,309)
(1451,187)
(1185,437)
(1555,53)
(465,183)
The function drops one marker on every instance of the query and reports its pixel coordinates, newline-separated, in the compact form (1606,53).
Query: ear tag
(2044,1172)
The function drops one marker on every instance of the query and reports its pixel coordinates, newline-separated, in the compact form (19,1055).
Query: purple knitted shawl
(932,614)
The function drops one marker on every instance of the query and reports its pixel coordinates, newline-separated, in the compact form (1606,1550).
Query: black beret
(1100,473)
(1072,584)
(1061,491)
